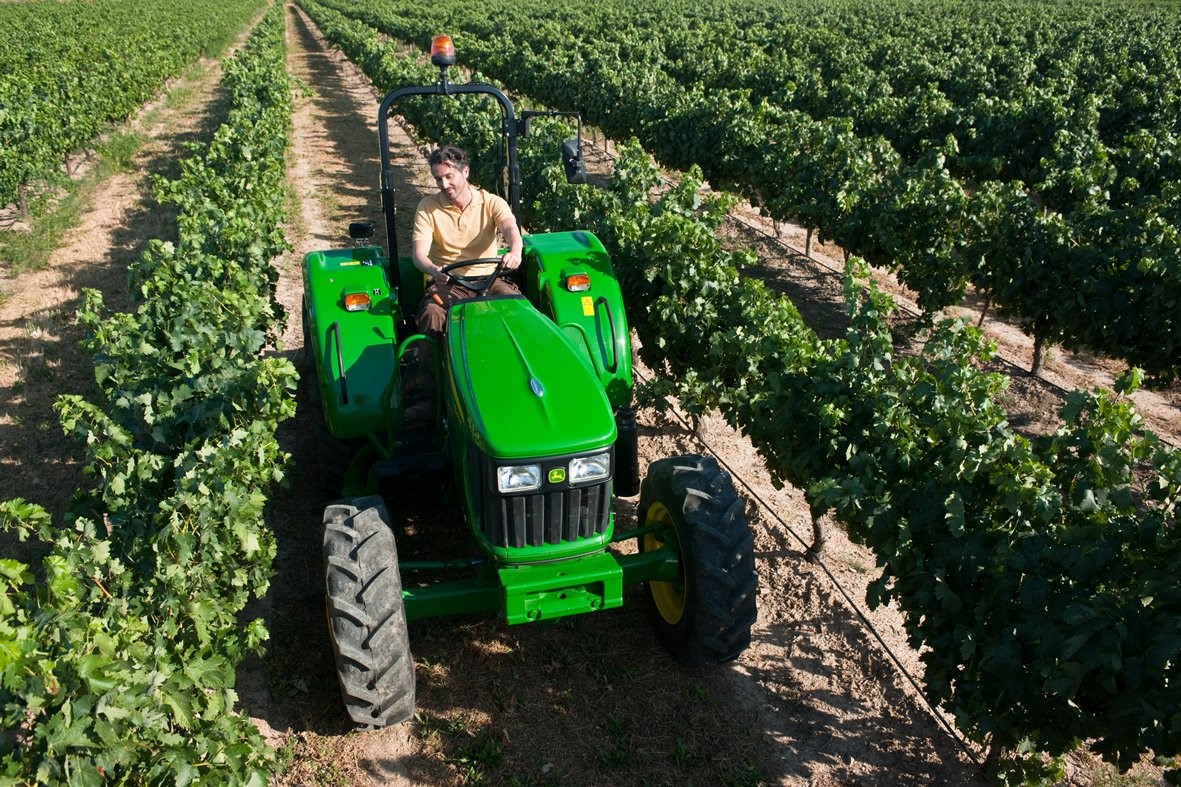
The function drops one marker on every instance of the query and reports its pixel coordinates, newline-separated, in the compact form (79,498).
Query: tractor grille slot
(548,517)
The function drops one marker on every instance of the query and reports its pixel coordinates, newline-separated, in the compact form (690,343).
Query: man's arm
(420,255)
(420,247)
(512,235)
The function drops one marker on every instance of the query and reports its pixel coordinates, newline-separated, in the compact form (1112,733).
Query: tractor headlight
(586,469)
(518,478)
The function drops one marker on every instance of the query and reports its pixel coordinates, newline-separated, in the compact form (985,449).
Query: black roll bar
(441,88)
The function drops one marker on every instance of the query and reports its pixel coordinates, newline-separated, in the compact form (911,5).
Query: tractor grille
(547,517)
(556,514)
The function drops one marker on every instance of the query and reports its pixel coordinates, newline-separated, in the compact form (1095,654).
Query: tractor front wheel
(706,615)
(366,616)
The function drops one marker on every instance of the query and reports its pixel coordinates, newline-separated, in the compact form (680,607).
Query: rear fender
(411,287)
(354,351)
(592,319)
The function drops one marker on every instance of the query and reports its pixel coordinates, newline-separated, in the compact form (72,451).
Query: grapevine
(994,152)
(69,70)
(120,665)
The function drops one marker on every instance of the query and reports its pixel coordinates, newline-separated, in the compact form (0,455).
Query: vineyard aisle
(332,173)
(594,700)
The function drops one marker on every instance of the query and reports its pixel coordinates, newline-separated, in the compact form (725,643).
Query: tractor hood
(521,388)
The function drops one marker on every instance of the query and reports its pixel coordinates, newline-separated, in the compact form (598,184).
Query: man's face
(452,181)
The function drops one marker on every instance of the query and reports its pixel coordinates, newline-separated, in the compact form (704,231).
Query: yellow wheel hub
(668,596)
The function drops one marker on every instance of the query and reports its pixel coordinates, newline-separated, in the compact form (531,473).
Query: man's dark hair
(450,154)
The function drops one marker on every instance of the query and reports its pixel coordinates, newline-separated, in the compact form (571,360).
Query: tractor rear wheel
(705,617)
(366,616)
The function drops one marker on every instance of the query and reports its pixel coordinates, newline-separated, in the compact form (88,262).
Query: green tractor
(536,436)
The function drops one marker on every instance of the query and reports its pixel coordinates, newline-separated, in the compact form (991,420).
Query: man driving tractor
(459,223)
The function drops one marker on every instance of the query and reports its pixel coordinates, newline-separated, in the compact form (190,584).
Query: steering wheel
(478,284)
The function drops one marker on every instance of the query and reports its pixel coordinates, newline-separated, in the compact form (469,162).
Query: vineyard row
(117,662)
(1008,159)
(69,70)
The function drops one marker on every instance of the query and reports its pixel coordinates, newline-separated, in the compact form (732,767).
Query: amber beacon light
(442,51)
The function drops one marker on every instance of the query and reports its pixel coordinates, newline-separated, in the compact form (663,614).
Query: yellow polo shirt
(466,234)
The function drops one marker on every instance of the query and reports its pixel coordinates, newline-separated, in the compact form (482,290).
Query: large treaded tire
(706,617)
(366,616)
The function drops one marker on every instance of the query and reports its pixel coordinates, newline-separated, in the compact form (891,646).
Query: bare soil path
(293,694)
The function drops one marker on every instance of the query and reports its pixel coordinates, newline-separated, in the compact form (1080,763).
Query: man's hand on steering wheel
(477,283)
(511,260)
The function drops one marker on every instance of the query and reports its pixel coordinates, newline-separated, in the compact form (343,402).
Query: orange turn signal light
(356,302)
(578,282)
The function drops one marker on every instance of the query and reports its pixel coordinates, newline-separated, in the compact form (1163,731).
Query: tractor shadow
(491,698)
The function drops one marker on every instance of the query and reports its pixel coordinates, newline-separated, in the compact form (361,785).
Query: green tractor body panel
(354,350)
(530,382)
(523,390)
(523,396)
(411,287)
(593,319)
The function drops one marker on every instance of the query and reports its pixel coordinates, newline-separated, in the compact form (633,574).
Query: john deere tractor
(535,435)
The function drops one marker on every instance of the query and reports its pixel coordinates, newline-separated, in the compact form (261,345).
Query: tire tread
(367,619)
(721,579)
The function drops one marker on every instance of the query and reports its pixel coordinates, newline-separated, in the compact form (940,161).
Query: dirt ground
(827,693)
